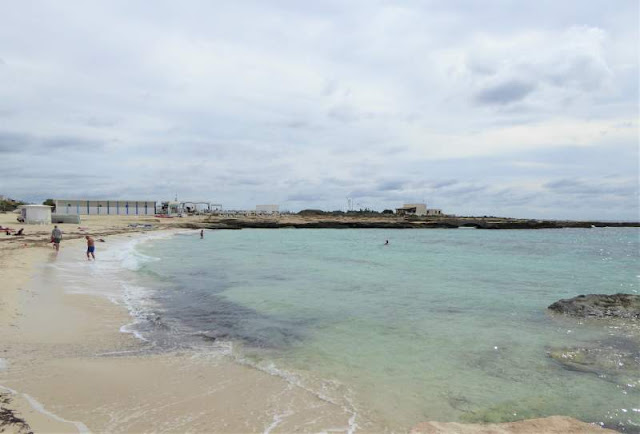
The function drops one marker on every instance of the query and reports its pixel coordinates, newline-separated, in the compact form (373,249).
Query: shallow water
(446,325)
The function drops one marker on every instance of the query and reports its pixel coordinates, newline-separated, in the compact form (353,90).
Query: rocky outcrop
(600,306)
(289,221)
(617,360)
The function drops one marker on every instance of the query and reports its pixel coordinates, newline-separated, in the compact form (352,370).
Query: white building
(419,209)
(267,209)
(36,214)
(105,207)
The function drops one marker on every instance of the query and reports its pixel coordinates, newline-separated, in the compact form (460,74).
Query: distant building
(419,209)
(105,207)
(36,214)
(171,208)
(267,209)
(201,207)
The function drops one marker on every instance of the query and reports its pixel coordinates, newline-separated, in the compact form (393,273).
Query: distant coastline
(329,221)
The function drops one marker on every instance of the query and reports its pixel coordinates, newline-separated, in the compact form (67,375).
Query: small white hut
(36,214)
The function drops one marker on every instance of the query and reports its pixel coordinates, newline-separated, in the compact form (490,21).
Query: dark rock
(600,306)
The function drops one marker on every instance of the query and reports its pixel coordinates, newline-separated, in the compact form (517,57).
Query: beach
(67,367)
(70,363)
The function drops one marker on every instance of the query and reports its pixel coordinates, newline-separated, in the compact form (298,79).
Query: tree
(387,211)
(50,202)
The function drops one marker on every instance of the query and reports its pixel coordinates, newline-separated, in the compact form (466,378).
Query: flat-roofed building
(104,207)
(35,214)
(412,209)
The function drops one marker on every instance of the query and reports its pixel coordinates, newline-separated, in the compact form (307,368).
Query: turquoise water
(446,325)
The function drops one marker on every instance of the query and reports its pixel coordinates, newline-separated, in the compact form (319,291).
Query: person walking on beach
(91,248)
(56,237)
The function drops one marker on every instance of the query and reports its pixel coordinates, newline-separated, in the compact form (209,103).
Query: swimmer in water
(386,243)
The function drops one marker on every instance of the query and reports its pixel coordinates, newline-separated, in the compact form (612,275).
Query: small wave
(291,378)
(82,428)
(277,420)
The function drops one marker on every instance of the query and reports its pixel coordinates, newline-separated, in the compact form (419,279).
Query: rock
(615,359)
(553,424)
(600,306)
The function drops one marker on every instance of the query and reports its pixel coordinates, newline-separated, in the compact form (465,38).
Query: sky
(506,108)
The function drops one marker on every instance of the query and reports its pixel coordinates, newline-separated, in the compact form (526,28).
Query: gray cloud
(505,93)
(252,102)
(626,188)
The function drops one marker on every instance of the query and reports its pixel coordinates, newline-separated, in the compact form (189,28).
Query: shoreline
(342,221)
(66,346)
(63,347)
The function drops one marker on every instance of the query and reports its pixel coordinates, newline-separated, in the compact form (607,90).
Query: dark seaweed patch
(8,417)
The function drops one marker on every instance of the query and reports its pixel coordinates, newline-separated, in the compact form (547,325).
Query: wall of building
(105,207)
(36,215)
(421,208)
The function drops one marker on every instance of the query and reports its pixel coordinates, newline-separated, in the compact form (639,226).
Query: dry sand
(66,367)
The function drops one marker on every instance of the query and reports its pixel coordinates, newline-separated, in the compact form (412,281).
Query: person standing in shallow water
(91,248)
(201,233)
(56,237)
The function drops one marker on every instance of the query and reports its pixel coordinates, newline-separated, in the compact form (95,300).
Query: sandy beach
(66,366)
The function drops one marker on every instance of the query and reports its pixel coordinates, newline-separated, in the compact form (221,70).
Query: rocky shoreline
(391,222)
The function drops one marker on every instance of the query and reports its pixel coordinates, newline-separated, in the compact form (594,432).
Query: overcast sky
(511,108)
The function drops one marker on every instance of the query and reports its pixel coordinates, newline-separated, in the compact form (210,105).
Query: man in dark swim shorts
(91,248)
(56,237)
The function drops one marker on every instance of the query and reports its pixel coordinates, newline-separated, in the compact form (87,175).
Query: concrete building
(36,214)
(267,209)
(104,207)
(419,209)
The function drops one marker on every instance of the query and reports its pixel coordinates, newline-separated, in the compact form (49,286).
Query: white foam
(3,364)
(277,420)
(292,379)
(8,389)
(82,428)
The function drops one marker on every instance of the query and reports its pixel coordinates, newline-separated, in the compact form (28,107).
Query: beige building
(419,209)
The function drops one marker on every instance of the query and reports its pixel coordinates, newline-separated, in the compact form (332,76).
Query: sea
(439,324)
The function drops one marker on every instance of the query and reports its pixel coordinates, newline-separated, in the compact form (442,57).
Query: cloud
(505,93)
(251,102)
(597,187)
